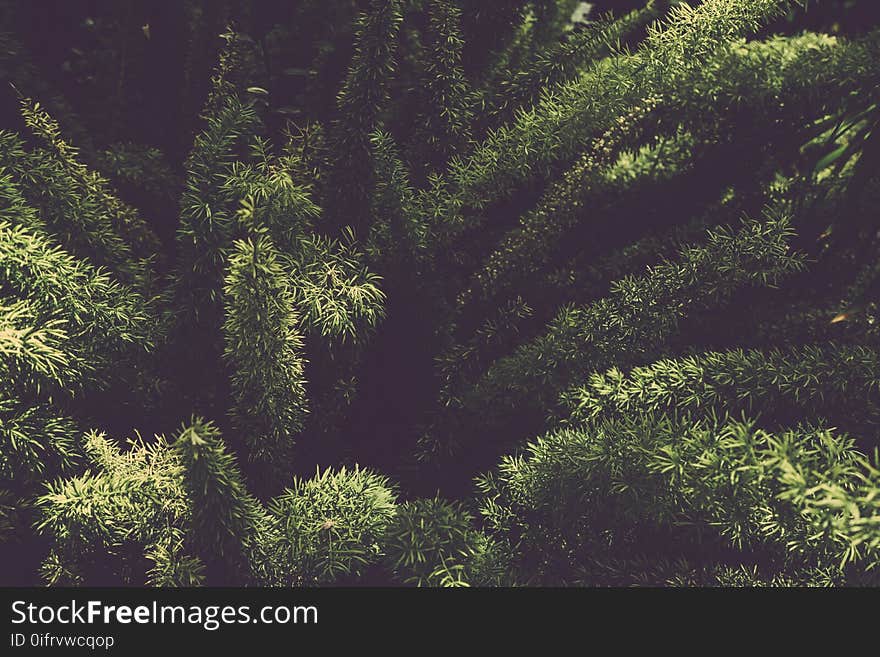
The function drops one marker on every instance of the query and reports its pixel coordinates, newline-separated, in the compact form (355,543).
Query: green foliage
(270,198)
(35,442)
(361,99)
(264,349)
(564,121)
(528,247)
(339,296)
(32,350)
(205,222)
(330,527)
(448,116)
(630,325)
(172,514)
(837,382)
(805,495)
(226,521)
(566,59)
(432,542)
(106,524)
(398,234)
(76,206)
(139,168)
(408,236)
(104,321)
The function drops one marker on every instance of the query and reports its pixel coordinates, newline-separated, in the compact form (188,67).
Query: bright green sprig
(806,496)
(104,319)
(569,116)
(338,296)
(76,205)
(838,382)
(32,352)
(264,348)
(132,498)
(329,527)
(270,199)
(115,234)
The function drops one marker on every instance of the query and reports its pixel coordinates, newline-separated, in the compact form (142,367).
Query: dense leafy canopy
(440,293)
